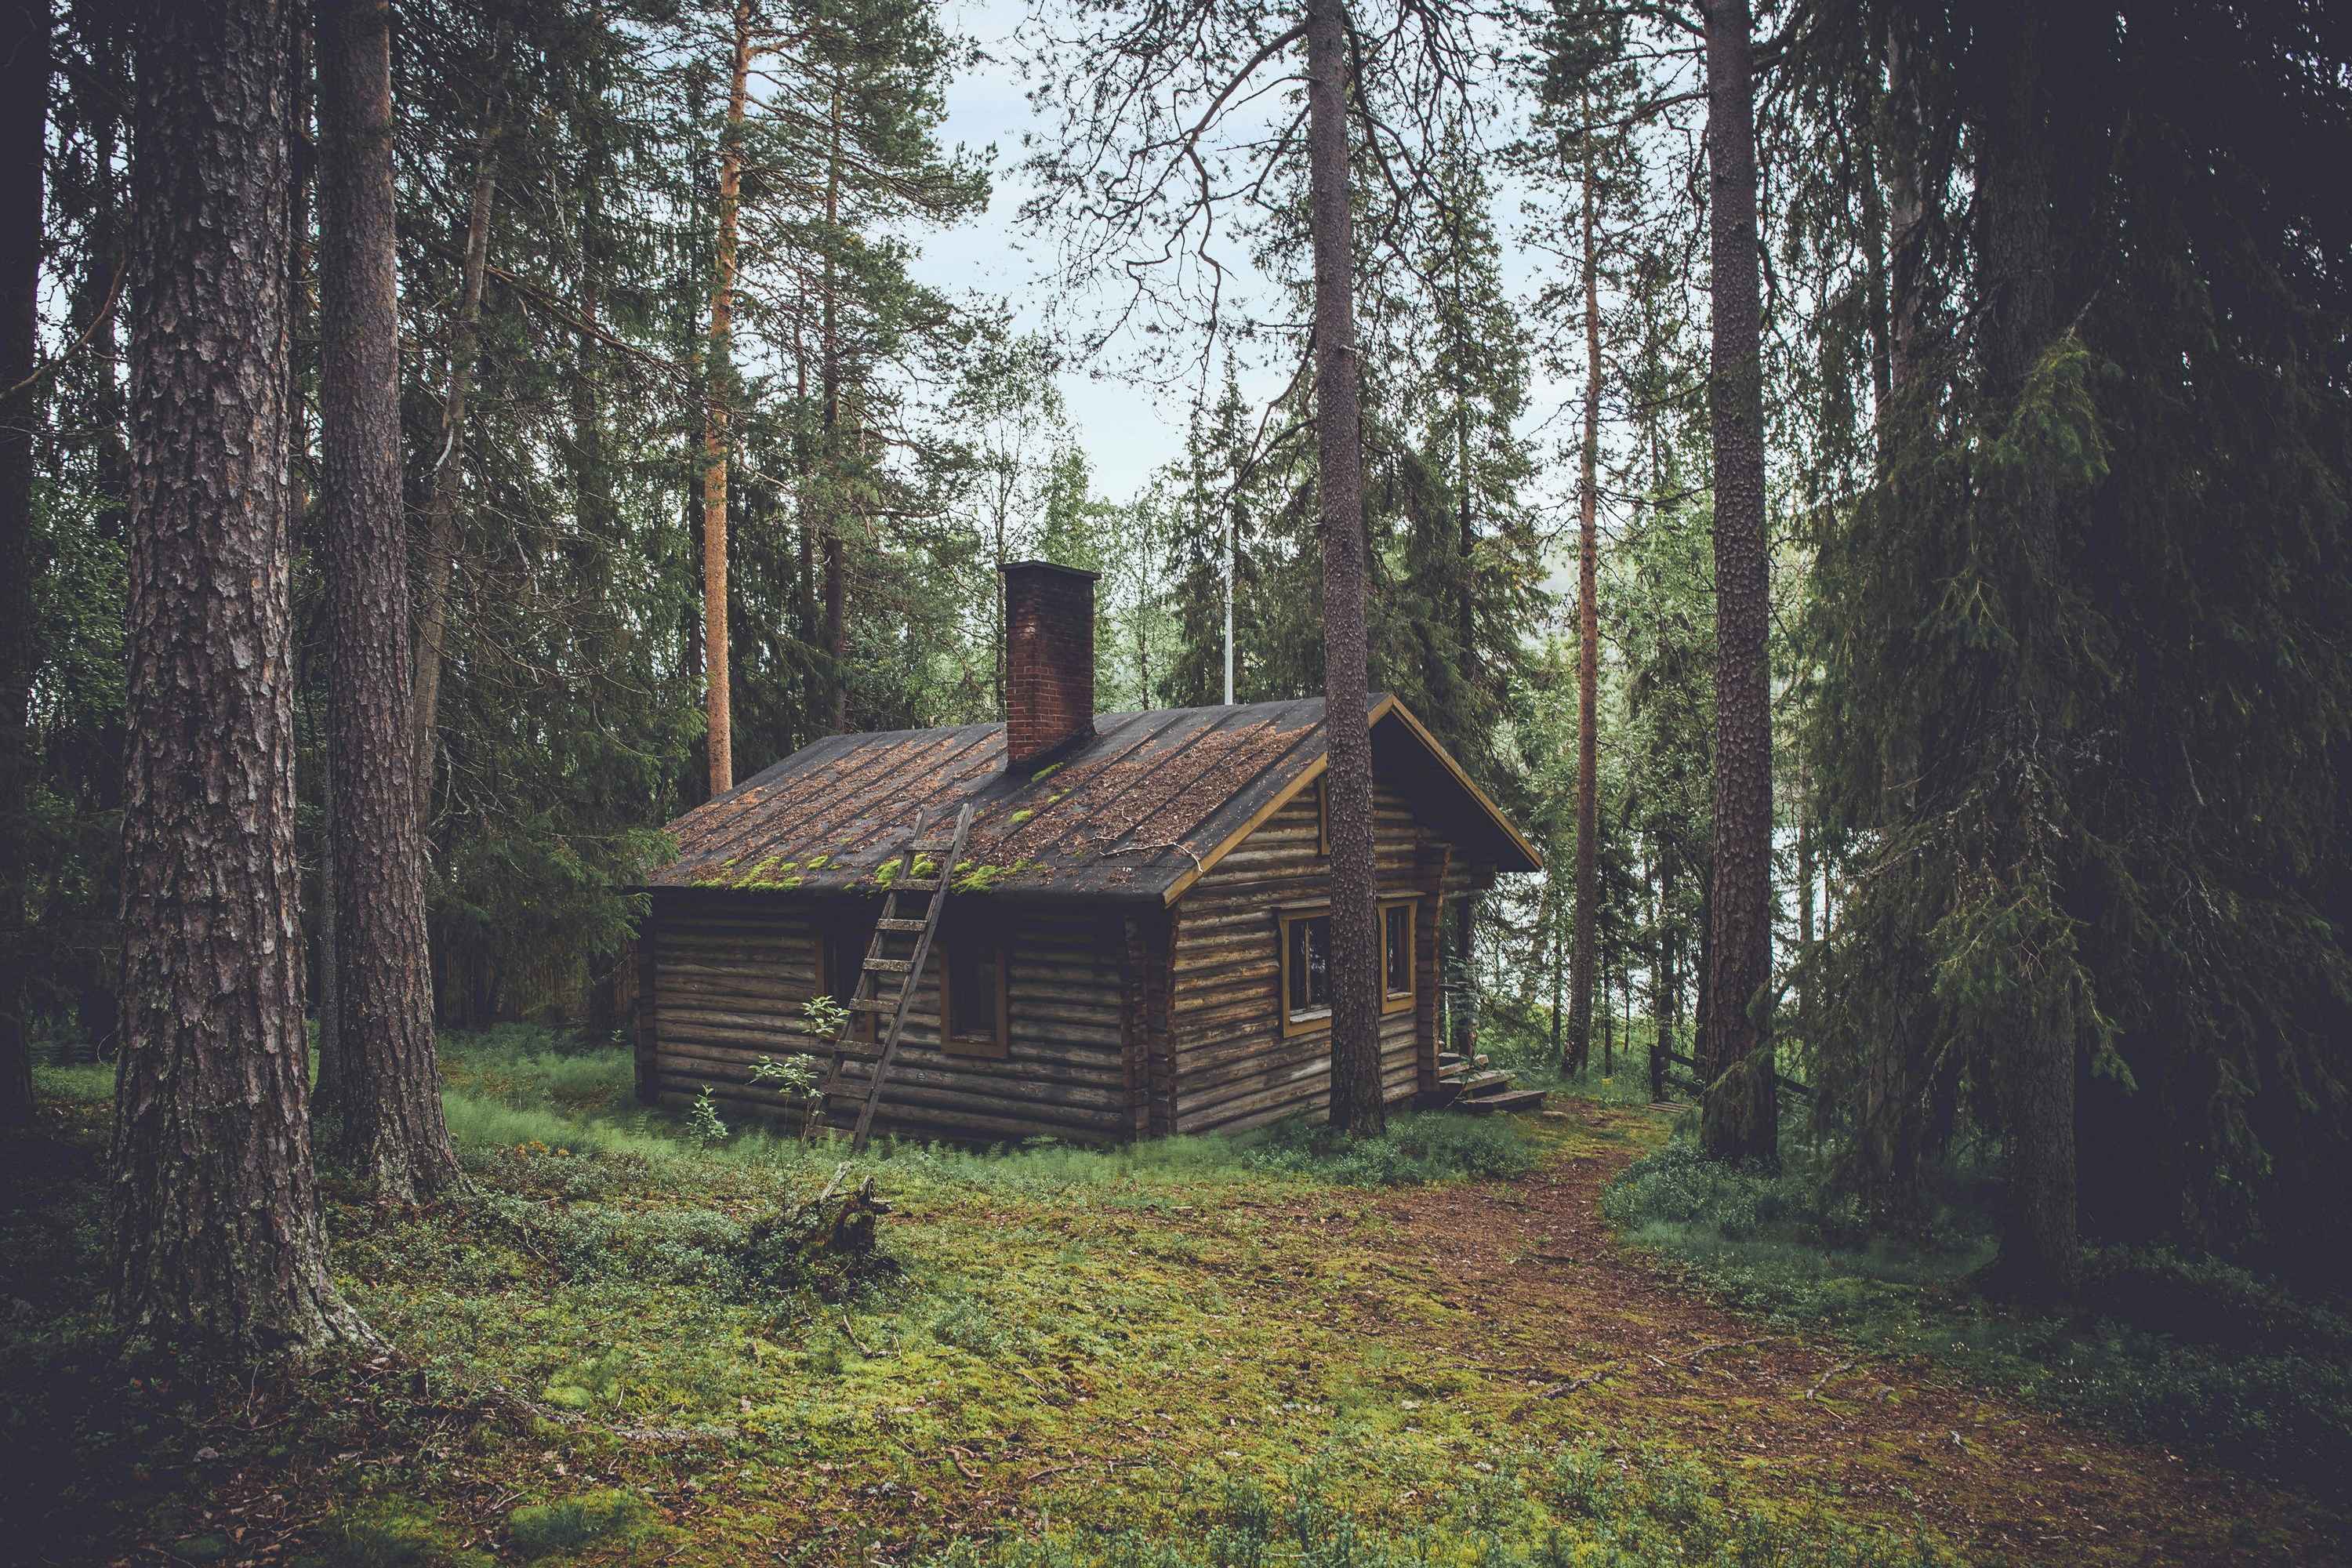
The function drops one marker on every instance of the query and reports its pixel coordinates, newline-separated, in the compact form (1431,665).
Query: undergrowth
(2181,1351)
(520,1089)
(1526,1509)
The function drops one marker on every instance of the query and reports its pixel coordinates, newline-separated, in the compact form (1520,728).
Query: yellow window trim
(1400,1001)
(1319,1021)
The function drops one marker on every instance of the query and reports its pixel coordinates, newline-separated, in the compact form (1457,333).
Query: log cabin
(1134,942)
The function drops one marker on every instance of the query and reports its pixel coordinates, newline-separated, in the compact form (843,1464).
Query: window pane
(1398,923)
(974,972)
(1318,961)
(1294,932)
(845,952)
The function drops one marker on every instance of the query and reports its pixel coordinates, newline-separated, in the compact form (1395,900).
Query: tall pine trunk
(388,1119)
(717,642)
(212,1222)
(1906,210)
(1588,659)
(447,473)
(1740,1120)
(829,376)
(2036,1066)
(23,115)
(1356,1103)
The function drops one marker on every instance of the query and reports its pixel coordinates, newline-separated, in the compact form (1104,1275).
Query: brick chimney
(1049,661)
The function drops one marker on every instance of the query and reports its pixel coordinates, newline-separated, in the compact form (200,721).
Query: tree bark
(1588,660)
(1740,1120)
(213,1224)
(448,465)
(1905,209)
(716,639)
(829,376)
(23,118)
(388,1122)
(1558,940)
(2036,1074)
(1356,1105)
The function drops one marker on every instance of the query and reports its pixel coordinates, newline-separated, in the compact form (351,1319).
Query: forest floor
(1182,1354)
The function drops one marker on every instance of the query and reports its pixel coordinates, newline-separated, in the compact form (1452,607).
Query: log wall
(729,972)
(1231,1067)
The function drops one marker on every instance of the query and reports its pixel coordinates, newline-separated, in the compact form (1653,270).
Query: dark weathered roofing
(1136,813)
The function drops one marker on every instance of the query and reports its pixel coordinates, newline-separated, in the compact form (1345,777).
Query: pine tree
(1742,1117)
(24,128)
(387,1099)
(213,1225)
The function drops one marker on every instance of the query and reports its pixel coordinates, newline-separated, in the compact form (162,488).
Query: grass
(2186,1353)
(1222,1352)
(1529,1509)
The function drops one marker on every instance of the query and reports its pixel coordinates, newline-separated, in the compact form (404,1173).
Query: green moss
(1046,773)
(1018,818)
(392,1533)
(606,1516)
(1191,1353)
(819,862)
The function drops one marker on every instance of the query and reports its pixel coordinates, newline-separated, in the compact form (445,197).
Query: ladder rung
(888,965)
(931,844)
(900,925)
(872,1004)
(916,885)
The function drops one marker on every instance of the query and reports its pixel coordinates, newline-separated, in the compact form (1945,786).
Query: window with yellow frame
(1398,917)
(1304,1000)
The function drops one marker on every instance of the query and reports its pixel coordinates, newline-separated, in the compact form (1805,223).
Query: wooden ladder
(867,1000)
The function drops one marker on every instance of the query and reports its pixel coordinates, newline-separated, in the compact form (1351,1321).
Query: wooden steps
(1471,1085)
(1504,1101)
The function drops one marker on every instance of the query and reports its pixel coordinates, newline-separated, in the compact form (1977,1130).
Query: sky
(1124,430)
(1127,430)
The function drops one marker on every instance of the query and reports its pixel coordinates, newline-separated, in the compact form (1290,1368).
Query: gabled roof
(1138,812)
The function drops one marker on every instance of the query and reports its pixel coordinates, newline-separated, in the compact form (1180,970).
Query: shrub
(2175,1348)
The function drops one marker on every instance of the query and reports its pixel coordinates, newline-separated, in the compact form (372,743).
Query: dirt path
(1604,1340)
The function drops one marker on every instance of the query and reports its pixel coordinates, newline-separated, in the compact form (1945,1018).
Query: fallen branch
(1823,1382)
(1563,1390)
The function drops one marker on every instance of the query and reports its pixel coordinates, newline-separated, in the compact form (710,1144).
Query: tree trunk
(326,984)
(1905,209)
(1558,940)
(1661,981)
(388,1122)
(1807,849)
(1588,660)
(829,372)
(716,638)
(449,466)
(1357,1104)
(213,1221)
(1741,1117)
(2036,1071)
(24,119)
